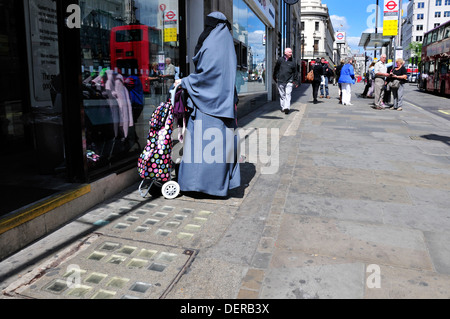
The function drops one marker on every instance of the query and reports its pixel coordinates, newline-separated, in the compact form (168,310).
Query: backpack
(310,76)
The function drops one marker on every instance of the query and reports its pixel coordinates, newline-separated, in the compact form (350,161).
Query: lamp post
(376,28)
(398,44)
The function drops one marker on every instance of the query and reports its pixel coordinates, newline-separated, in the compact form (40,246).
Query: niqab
(212,86)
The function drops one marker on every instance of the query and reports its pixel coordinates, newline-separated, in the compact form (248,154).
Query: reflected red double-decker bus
(435,73)
(133,48)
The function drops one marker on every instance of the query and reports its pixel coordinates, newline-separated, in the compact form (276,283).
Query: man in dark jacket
(338,75)
(286,76)
(327,73)
(318,72)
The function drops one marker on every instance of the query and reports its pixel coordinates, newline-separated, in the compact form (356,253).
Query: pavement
(337,202)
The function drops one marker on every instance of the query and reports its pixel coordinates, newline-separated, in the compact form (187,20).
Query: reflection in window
(128,35)
(249,34)
(130,59)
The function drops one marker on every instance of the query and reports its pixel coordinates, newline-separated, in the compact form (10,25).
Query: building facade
(61,128)
(317,32)
(423,16)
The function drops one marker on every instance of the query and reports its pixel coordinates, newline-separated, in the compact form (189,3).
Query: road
(433,103)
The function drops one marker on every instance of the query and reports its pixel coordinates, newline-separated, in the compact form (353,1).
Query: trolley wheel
(170,190)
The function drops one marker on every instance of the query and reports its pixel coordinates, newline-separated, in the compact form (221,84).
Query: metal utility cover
(111,268)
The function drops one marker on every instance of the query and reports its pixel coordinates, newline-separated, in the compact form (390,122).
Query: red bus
(133,48)
(435,73)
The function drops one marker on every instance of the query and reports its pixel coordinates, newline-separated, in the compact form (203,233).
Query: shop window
(131,58)
(249,34)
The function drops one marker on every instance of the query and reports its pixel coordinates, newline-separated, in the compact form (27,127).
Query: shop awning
(372,40)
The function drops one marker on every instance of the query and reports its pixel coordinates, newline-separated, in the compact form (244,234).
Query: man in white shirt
(380,78)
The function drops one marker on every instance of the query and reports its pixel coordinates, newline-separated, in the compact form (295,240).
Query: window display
(130,59)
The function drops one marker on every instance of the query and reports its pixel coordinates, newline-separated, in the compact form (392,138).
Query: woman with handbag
(398,78)
(317,72)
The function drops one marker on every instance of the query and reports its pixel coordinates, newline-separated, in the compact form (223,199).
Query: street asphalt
(337,202)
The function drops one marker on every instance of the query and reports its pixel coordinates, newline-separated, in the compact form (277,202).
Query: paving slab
(379,244)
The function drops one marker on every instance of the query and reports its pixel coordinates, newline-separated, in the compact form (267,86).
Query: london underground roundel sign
(391,5)
(170,15)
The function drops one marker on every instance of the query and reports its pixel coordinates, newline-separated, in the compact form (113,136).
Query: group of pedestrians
(322,74)
(345,74)
(392,81)
(379,80)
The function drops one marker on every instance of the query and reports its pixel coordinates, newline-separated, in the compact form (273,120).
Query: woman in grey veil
(209,163)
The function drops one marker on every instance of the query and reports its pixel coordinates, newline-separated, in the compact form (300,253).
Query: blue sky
(355,18)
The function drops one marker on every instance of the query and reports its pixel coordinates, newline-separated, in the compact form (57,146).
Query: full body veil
(209,163)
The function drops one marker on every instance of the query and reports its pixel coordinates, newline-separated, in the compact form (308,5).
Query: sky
(356,17)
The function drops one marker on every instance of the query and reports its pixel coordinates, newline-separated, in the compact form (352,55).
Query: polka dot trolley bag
(155,162)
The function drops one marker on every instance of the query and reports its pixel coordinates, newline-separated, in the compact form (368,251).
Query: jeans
(326,87)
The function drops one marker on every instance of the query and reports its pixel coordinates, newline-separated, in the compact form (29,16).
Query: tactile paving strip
(113,268)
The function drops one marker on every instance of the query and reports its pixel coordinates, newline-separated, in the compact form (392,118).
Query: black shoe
(286,111)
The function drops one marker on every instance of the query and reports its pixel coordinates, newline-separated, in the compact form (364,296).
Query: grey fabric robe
(209,163)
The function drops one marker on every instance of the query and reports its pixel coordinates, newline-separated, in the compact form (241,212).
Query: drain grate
(113,268)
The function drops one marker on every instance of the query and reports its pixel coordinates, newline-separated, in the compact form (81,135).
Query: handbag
(394,84)
(310,76)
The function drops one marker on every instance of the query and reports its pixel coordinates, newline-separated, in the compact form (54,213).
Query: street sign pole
(398,43)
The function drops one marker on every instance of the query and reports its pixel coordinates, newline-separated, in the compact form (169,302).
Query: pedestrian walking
(327,73)
(286,76)
(387,86)
(369,80)
(212,99)
(338,75)
(347,79)
(370,94)
(380,81)
(399,75)
(318,72)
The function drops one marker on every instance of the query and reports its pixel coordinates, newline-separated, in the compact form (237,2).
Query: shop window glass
(130,60)
(45,86)
(250,40)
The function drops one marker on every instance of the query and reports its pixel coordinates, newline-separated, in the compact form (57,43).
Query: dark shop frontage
(59,130)
(79,82)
